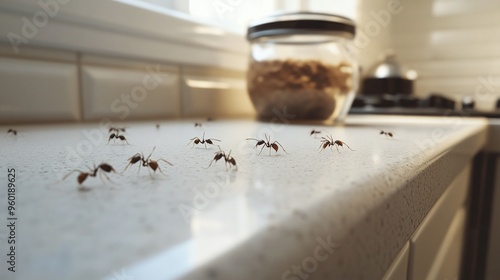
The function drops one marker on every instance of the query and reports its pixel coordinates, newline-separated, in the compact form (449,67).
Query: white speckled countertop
(273,214)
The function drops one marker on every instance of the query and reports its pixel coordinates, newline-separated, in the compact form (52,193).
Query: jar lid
(301,23)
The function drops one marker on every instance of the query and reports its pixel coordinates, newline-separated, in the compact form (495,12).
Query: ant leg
(105,176)
(66,176)
(263,146)
(348,146)
(165,161)
(210,164)
(126,167)
(320,145)
(281,146)
(150,154)
(337,147)
(161,171)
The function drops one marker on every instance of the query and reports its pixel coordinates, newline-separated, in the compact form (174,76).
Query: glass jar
(302,66)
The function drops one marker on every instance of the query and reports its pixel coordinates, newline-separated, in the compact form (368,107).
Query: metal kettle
(388,77)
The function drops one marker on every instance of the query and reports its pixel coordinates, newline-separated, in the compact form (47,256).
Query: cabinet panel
(447,262)
(399,267)
(428,238)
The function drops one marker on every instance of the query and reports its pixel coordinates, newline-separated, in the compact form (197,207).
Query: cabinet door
(447,262)
(399,267)
(429,238)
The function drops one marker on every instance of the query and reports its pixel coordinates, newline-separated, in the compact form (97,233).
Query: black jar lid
(301,23)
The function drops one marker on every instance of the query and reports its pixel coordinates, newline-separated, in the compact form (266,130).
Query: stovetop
(434,105)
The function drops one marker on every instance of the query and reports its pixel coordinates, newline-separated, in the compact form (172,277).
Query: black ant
(267,143)
(387,133)
(197,141)
(116,135)
(104,167)
(197,124)
(146,162)
(328,141)
(157,126)
(314,132)
(13,131)
(230,161)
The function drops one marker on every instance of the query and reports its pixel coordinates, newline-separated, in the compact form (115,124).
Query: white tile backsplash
(126,94)
(210,96)
(35,91)
(452,45)
(50,85)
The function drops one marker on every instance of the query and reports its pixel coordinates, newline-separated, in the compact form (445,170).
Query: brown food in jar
(308,89)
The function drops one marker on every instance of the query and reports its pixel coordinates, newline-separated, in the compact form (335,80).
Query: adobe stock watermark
(310,264)
(371,29)
(39,19)
(203,197)
(222,7)
(74,154)
(486,89)
(138,93)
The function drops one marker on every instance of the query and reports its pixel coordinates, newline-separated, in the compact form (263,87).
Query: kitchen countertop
(339,215)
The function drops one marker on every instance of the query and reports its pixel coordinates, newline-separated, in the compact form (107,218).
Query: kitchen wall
(46,85)
(454,45)
(69,69)
(75,65)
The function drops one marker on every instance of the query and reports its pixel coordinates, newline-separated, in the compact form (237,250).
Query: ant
(197,141)
(197,124)
(13,131)
(314,132)
(146,162)
(116,135)
(157,126)
(267,143)
(387,133)
(230,161)
(328,141)
(104,167)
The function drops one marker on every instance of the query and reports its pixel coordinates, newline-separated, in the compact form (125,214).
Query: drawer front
(428,238)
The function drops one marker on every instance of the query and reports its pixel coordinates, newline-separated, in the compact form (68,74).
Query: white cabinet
(399,268)
(446,264)
(434,252)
